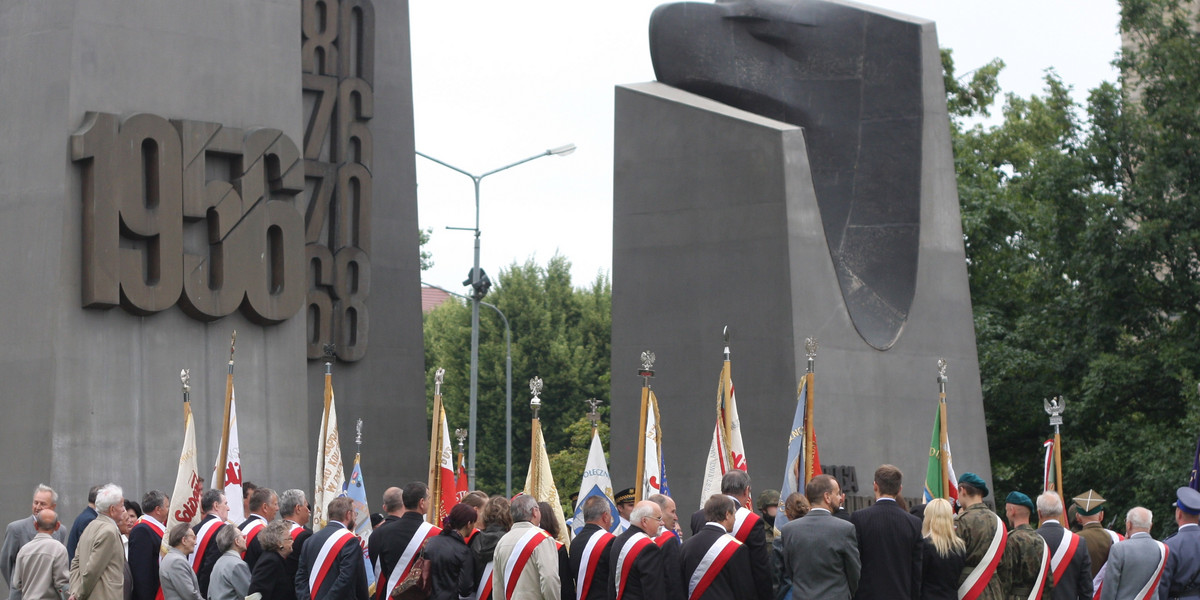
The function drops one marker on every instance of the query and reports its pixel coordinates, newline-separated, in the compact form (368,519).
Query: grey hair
(152,500)
(45,488)
(290,500)
(522,507)
(109,496)
(1049,505)
(735,482)
(225,537)
(594,508)
(641,512)
(660,500)
(272,536)
(1139,517)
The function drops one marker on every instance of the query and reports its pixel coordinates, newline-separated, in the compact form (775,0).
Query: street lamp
(476,287)
(507,388)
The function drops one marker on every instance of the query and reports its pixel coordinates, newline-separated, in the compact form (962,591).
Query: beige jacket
(539,579)
(98,569)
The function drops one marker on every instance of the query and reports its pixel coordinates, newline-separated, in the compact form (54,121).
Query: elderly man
(332,566)
(264,505)
(589,550)
(1136,563)
(41,569)
(293,507)
(98,569)
(145,542)
(672,546)
(19,532)
(635,562)
(526,558)
(1070,562)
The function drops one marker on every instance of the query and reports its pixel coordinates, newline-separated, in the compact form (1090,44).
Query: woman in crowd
(945,553)
(175,572)
(553,527)
(451,564)
(497,520)
(794,506)
(270,576)
(230,578)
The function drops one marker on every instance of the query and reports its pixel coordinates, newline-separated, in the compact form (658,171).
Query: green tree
(559,333)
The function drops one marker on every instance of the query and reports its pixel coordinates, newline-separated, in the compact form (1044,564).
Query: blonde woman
(945,553)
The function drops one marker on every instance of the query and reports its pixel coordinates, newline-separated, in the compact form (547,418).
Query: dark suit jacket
(292,562)
(271,579)
(672,551)
(756,543)
(211,554)
(346,577)
(598,590)
(144,544)
(253,548)
(890,547)
(389,541)
(734,581)
(646,576)
(81,522)
(820,556)
(1076,581)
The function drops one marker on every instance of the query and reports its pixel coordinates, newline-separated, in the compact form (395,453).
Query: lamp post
(476,287)
(507,390)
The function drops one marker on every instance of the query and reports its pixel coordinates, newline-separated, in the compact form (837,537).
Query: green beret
(1020,499)
(974,481)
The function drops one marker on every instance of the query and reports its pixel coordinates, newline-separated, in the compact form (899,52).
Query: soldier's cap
(768,498)
(1020,499)
(1088,503)
(1187,500)
(624,496)
(974,481)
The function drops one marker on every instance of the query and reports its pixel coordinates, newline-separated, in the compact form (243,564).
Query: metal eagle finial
(535,387)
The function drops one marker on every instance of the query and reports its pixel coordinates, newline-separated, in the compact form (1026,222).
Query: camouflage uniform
(976,525)
(1022,563)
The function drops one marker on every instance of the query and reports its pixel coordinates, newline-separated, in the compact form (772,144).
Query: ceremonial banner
(726,451)
(442,492)
(1048,470)
(652,443)
(330,475)
(460,481)
(185,497)
(801,465)
(227,474)
(539,482)
(596,482)
(940,480)
(356,490)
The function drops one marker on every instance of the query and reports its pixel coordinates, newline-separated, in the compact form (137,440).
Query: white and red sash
(710,566)
(522,551)
(629,553)
(294,531)
(484,590)
(1151,586)
(1043,573)
(973,587)
(251,529)
(588,561)
(743,521)
(665,537)
(157,528)
(408,557)
(325,558)
(1063,554)
(203,537)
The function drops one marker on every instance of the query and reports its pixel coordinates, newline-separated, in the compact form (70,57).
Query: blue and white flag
(793,472)
(596,482)
(357,492)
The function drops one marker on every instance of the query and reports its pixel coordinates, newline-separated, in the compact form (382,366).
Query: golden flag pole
(435,451)
(1055,407)
(943,456)
(646,373)
(724,388)
(223,454)
(810,346)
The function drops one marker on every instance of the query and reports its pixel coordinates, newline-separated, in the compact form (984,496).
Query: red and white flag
(185,498)
(727,451)
(232,471)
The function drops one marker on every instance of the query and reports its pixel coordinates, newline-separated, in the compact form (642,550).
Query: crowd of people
(495,547)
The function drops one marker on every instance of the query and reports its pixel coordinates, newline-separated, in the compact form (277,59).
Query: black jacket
(144,543)
(599,579)
(734,581)
(891,548)
(270,578)
(211,554)
(452,566)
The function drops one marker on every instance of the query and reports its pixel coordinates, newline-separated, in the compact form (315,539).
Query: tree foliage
(559,333)
(1082,227)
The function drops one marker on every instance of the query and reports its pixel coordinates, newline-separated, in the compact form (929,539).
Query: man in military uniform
(1026,561)
(1089,508)
(624,501)
(1181,577)
(768,507)
(978,527)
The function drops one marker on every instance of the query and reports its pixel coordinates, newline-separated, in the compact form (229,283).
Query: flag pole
(726,418)
(435,450)
(185,376)
(810,348)
(535,403)
(1055,407)
(223,454)
(646,373)
(943,456)
(461,434)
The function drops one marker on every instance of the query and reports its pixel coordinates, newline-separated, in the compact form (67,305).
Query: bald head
(47,521)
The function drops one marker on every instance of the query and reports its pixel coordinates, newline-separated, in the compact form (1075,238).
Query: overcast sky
(496,82)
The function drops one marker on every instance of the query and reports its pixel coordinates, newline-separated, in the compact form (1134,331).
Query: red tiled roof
(432,298)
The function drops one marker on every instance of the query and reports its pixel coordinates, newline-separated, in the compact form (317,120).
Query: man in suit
(668,540)
(890,543)
(145,540)
(81,522)
(331,567)
(635,566)
(1181,577)
(214,510)
(1133,564)
(748,528)
(715,565)
(293,507)
(528,555)
(819,551)
(590,550)
(19,532)
(41,569)
(98,569)
(393,547)
(264,505)
(1071,566)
